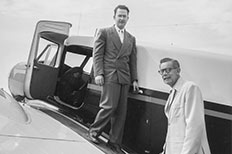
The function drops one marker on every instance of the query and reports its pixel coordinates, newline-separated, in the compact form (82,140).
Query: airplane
(59,74)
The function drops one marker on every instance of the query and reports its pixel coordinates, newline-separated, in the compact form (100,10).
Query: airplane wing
(24,129)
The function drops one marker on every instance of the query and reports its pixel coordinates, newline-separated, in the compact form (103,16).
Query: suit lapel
(122,47)
(167,107)
(126,43)
(169,102)
(115,38)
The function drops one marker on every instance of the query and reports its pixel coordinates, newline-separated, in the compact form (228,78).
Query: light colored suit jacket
(186,132)
(116,61)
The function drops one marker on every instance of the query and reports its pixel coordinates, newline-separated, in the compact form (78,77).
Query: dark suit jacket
(117,62)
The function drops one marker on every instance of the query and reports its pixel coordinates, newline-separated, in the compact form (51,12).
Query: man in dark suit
(115,69)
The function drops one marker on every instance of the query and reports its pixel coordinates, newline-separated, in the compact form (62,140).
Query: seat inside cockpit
(74,76)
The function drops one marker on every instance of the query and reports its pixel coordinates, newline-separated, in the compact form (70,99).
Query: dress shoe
(93,138)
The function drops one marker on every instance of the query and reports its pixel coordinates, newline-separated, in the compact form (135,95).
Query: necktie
(121,35)
(171,98)
(173,93)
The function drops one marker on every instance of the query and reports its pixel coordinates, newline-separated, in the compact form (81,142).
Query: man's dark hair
(175,63)
(124,7)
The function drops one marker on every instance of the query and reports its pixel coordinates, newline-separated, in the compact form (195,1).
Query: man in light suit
(115,69)
(186,133)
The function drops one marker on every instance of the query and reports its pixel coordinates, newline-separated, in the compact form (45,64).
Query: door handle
(36,67)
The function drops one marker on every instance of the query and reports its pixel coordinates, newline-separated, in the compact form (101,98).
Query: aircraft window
(47,53)
(88,66)
(75,60)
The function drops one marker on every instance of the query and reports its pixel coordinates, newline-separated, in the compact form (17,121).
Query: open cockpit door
(44,58)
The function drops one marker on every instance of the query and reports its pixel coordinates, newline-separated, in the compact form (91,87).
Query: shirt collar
(118,29)
(179,83)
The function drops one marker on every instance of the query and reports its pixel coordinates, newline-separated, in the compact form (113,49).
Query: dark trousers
(113,108)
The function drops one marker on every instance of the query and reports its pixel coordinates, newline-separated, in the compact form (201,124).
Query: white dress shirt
(120,33)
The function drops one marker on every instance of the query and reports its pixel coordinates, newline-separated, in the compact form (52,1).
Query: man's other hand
(99,80)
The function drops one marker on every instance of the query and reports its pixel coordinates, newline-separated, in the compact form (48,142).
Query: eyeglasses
(167,70)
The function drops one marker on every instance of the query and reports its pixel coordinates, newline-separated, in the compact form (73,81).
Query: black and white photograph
(116,77)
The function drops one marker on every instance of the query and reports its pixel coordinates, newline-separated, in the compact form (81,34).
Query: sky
(193,24)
